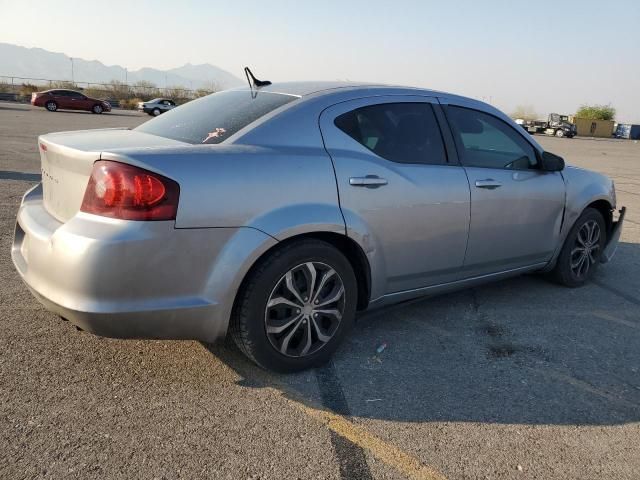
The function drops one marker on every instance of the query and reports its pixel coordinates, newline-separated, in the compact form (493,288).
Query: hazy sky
(553,55)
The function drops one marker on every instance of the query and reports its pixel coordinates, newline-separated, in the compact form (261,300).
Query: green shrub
(596,112)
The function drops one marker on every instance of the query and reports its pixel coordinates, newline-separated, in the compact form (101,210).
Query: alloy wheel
(586,249)
(304,310)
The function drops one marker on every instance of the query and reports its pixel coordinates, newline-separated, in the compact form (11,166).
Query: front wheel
(97,109)
(582,250)
(51,106)
(559,133)
(295,307)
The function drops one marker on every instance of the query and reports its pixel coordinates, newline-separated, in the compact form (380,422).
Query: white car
(156,106)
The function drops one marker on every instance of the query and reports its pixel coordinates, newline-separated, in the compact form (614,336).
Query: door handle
(488,183)
(370,181)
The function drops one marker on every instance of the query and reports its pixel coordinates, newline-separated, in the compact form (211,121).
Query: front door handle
(488,183)
(370,181)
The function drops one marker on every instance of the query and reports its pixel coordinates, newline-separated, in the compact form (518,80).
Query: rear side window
(399,132)
(486,141)
(214,118)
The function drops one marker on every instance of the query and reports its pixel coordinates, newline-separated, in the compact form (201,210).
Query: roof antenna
(253,81)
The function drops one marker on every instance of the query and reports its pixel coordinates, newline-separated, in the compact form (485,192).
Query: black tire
(248,324)
(565,271)
(97,109)
(560,133)
(155,112)
(51,106)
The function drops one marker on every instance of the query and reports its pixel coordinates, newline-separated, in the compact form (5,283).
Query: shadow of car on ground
(521,351)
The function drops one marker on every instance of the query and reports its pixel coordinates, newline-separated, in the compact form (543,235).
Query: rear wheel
(560,133)
(295,307)
(97,109)
(582,250)
(51,106)
(155,112)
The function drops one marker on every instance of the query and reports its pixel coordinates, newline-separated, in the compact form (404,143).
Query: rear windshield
(214,118)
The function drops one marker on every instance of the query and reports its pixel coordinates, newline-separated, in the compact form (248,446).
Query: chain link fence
(119,94)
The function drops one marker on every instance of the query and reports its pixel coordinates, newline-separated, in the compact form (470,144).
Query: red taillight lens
(118,190)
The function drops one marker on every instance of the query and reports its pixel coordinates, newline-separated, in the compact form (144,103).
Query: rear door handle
(370,181)
(488,183)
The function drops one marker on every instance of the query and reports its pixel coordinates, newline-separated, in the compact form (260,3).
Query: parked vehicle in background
(60,99)
(156,106)
(627,130)
(274,213)
(556,125)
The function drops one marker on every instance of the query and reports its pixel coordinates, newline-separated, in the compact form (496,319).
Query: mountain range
(17,61)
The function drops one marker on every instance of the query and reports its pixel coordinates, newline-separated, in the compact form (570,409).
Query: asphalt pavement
(521,379)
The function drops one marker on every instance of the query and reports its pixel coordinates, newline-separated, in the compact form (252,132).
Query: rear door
(397,186)
(516,208)
(62,98)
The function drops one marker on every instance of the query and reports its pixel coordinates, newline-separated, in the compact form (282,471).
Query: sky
(551,55)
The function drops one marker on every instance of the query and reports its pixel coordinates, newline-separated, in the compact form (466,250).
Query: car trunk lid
(67,160)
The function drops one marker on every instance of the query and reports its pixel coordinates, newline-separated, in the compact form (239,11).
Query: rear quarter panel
(282,191)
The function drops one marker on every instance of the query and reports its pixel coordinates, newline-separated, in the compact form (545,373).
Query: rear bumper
(128,279)
(614,238)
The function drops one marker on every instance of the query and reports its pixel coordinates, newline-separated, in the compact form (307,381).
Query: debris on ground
(381,348)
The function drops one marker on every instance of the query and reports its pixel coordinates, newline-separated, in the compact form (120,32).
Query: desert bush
(64,84)
(26,89)
(96,92)
(145,89)
(130,103)
(177,93)
(525,112)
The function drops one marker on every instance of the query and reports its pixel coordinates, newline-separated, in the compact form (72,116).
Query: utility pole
(72,77)
(126,75)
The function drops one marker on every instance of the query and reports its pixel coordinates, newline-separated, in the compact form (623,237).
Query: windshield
(214,118)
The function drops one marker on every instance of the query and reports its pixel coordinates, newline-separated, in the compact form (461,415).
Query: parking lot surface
(519,379)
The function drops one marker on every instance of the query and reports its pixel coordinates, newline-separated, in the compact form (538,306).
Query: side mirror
(552,162)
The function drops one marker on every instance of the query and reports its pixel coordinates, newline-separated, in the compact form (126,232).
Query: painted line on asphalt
(406,464)
(620,293)
(587,387)
(351,457)
(612,318)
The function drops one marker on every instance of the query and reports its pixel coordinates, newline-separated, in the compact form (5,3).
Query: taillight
(118,190)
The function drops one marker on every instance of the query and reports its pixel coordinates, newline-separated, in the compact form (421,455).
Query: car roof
(61,90)
(316,88)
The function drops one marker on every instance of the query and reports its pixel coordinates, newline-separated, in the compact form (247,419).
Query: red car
(54,100)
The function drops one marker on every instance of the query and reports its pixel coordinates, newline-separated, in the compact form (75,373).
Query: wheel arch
(347,246)
(606,210)
(602,205)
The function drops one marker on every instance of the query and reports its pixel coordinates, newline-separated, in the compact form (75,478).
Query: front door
(398,190)
(516,208)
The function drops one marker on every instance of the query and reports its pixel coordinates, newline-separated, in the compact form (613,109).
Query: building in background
(588,127)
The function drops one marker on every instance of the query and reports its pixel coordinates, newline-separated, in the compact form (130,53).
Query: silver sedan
(276,212)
